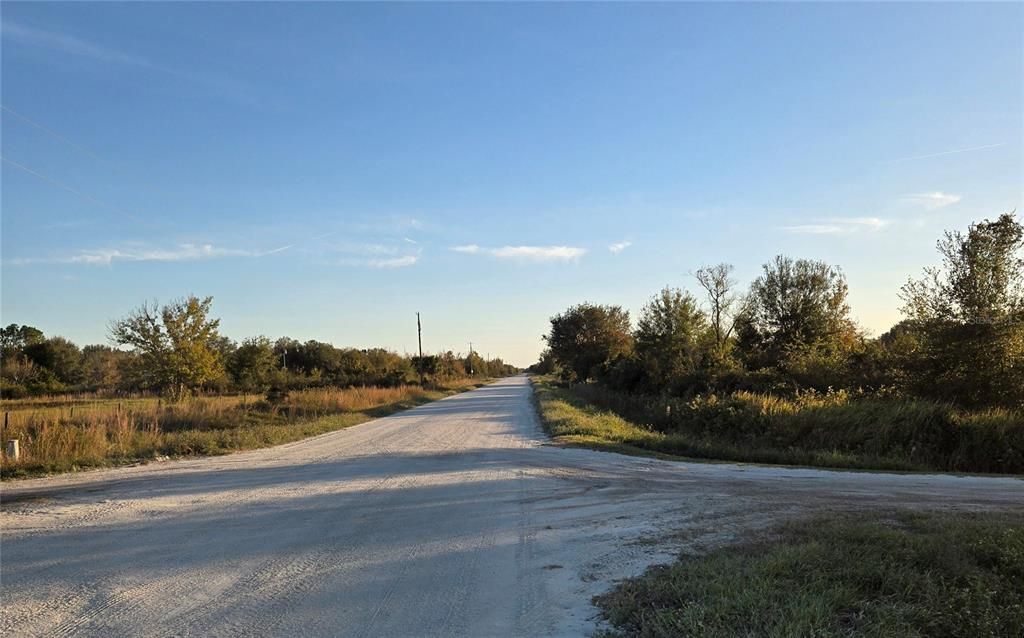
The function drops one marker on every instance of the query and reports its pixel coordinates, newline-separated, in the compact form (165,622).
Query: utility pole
(284,359)
(470,358)
(419,337)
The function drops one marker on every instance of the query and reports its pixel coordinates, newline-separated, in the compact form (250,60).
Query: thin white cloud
(618,247)
(409,240)
(814,229)
(933,201)
(539,253)
(181,252)
(867,223)
(394,262)
(526,253)
(952,152)
(838,226)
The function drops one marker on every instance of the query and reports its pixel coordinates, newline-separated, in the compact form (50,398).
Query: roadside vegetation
(781,373)
(174,386)
(834,430)
(905,574)
(62,434)
(175,351)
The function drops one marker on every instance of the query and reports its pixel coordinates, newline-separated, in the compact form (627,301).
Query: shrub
(822,428)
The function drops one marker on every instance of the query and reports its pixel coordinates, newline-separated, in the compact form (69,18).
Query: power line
(419,338)
(69,189)
(81,149)
(52,133)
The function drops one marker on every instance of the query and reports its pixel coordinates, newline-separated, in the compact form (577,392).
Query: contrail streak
(274,250)
(959,150)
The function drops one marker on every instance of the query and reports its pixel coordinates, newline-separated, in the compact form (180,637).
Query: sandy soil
(456,518)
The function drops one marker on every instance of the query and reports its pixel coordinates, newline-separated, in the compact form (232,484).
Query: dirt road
(452,519)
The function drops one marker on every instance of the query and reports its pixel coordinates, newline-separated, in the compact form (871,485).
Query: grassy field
(60,434)
(835,430)
(894,575)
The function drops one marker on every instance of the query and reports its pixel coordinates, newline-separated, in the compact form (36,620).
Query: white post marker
(13,450)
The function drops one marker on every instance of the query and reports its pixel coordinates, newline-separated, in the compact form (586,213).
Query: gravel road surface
(456,518)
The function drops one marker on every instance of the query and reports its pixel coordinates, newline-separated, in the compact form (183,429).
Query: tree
(545,364)
(252,364)
(58,355)
(14,339)
(103,367)
(794,307)
(19,376)
(718,285)
(981,279)
(586,338)
(388,368)
(475,365)
(284,348)
(426,366)
(669,337)
(176,344)
(449,366)
(970,314)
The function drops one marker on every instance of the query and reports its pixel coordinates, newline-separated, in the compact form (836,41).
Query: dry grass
(832,430)
(67,435)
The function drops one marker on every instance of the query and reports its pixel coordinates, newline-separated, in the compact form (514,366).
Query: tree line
(176,349)
(961,339)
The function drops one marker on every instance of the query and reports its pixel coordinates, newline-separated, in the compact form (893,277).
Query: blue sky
(327,170)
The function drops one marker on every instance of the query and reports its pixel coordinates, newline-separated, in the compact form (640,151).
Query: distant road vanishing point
(456,518)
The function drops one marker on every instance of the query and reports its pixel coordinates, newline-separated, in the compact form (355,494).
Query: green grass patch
(835,431)
(899,575)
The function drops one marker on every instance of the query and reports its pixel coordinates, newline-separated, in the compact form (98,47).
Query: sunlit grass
(898,575)
(98,432)
(833,430)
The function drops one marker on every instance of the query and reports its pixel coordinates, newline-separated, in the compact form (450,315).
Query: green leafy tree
(969,313)
(60,356)
(176,345)
(475,365)
(427,365)
(587,338)
(981,279)
(388,368)
(252,364)
(670,338)
(14,339)
(104,367)
(795,309)
(545,364)
(449,366)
